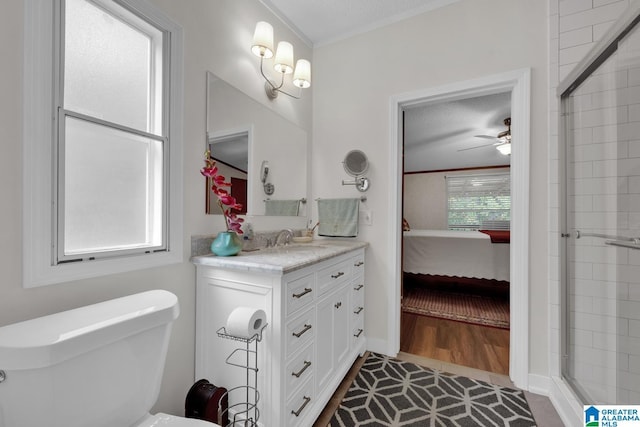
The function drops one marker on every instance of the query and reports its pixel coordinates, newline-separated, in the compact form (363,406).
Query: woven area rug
(389,392)
(471,308)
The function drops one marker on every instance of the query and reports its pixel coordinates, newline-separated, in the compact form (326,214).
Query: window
(478,201)
(112,84)
(111,137)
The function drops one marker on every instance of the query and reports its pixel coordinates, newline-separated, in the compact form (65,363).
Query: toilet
(99,365)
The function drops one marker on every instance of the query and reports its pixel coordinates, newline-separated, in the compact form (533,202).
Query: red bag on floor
(207,402)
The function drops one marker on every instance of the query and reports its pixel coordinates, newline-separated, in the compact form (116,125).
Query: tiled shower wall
(575,26)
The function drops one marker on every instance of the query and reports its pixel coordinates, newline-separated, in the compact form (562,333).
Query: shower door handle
(611,240)
(635,244)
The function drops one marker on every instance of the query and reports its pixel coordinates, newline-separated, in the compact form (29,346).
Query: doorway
(455,280)
(518,83)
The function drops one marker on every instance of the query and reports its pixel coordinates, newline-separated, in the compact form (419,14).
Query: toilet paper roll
(245,322)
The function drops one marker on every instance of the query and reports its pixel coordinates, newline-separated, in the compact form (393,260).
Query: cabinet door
(333,334)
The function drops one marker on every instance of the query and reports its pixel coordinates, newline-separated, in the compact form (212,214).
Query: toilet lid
(166,420)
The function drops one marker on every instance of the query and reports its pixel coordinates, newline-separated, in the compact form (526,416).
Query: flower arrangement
(210,170)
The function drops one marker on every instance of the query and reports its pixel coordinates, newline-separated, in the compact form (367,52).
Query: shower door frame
(600,53)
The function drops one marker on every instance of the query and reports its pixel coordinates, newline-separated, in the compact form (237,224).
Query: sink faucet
(288,235)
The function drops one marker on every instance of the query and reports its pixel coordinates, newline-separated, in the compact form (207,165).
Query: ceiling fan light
(504,149)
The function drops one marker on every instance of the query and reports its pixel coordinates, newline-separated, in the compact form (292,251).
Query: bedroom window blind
(474,200)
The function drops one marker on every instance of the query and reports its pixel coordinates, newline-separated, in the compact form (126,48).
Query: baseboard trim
(539,384)
(376,345)
(566,403)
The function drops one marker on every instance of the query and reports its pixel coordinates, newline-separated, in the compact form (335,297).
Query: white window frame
(38,153)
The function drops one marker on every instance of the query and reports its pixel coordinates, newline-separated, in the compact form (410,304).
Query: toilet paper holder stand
(244,412)
(222,333)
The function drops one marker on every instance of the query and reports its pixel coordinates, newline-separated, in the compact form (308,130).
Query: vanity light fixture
(282,63)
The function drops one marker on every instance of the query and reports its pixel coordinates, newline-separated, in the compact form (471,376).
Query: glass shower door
(601,258)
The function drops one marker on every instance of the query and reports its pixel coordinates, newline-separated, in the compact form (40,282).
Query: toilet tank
(99,365)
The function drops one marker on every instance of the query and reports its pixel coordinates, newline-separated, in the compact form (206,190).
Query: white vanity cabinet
(315,314)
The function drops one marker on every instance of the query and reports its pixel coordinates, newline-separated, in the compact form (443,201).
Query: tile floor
(541,407)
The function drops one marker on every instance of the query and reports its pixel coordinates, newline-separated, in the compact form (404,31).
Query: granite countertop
(281,259)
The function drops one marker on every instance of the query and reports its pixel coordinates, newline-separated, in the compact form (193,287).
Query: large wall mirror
(263,154)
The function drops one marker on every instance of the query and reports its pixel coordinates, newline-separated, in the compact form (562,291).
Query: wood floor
(475,346)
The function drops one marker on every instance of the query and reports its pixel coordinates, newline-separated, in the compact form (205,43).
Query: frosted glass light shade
(302,75)
(284,58)
(504,149)
(263,40)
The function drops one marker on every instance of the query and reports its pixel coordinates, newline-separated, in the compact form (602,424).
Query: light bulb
(504,149)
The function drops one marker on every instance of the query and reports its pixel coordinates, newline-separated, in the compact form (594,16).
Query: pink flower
(224,198)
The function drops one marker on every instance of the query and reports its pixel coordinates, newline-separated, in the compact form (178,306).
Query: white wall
(354,80)
(217,37)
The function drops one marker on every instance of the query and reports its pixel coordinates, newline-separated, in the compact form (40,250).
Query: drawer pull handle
(358,264)
(338,304)
(301,371)
(357,288)
(300,409)
(305,329)
(357,334)
(358,310)
(301,294)
(338,274)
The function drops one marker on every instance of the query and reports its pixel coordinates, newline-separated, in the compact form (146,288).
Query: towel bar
(303,200)
(362,198)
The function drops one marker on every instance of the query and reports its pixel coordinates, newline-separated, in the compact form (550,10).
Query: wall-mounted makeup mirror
(242,135)
(356,164)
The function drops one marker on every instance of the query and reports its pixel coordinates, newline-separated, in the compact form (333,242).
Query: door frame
(518,82)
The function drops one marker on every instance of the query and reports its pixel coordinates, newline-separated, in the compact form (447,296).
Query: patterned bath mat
(471,308)
(393,393)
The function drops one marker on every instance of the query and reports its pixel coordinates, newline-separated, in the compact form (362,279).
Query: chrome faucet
(288,235)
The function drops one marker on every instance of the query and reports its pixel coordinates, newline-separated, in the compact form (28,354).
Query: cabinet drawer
(299,331)
(334,275)
(298,370)
(302,401)
(299,293)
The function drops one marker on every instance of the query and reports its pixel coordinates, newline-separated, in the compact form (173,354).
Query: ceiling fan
(503,143)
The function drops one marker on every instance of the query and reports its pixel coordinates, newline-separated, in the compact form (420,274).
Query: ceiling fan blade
(477,146)
(485,136)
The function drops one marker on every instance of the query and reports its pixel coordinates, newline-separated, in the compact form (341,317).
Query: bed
(456,253)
